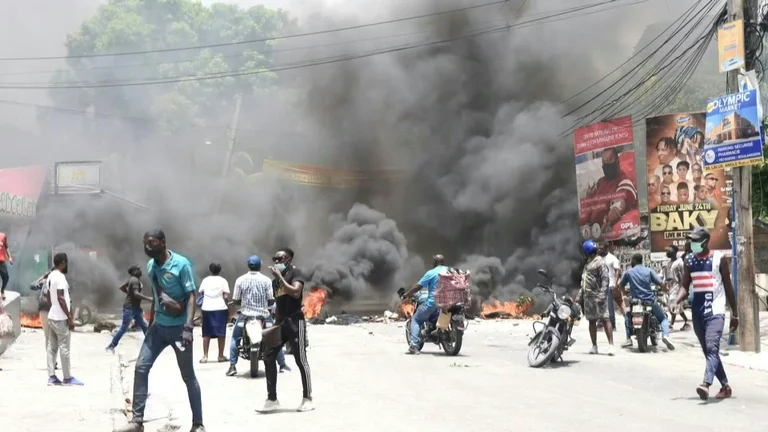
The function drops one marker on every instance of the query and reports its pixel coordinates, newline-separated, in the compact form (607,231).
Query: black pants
(293,332)
(4,274)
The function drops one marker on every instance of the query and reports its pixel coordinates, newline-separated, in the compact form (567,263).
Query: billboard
(20,189)
(317,175)
(606,181)
(732,136)
(730,46)
(682,193)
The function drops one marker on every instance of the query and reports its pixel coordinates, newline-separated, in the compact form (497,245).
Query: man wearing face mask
(288,283)
(173,309)
(616,191)
(706,272)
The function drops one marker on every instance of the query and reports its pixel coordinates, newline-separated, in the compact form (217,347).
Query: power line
(336,59)
(245,42)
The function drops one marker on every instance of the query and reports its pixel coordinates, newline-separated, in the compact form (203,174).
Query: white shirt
(613,265)
(58,282)
(213,288)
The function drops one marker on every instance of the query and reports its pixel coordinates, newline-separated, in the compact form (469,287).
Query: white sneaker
(611,350)
(668,343)
(269,406)
(593,350)
(306,405)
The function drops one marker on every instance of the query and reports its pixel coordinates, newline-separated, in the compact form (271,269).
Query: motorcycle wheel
(83,316)
(453,346)
(408,335)
(655,334)
(543,357)
(254,362)
(642,338)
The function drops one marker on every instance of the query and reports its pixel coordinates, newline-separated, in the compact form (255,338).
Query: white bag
(253,329)
(6,326)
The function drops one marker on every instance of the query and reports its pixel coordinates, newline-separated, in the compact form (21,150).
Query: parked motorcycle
(447,330)
(249,345)
(554,337)
(645,326)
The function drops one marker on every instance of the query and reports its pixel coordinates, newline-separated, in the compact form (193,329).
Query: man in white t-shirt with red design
(614,273)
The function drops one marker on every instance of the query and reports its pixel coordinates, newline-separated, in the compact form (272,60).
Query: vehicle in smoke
(249,346)
(554,338)
(645,326)
(447,330)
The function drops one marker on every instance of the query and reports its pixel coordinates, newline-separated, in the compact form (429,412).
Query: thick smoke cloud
(473,125)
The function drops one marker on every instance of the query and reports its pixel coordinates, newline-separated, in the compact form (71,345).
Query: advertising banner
(730,46)
(606,181)
(682,193)
(733,136)
(20,189)
(316,175)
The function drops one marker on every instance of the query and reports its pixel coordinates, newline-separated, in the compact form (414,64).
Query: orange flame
(406,310)
(31,321)
(314,302)
(506,309)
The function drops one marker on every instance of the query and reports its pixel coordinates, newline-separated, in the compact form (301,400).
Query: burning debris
(506,310)
(31,321)
(314,301)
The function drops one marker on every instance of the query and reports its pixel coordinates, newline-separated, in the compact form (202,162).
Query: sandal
(223,359)
(204,360)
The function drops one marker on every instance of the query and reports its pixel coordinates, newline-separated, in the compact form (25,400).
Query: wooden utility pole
(230,146)
(749,318)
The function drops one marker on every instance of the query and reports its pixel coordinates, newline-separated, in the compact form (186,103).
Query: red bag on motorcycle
(452,289)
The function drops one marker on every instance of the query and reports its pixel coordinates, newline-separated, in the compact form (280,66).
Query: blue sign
(732,136)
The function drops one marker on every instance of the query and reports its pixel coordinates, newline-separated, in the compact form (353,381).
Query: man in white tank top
(707,274)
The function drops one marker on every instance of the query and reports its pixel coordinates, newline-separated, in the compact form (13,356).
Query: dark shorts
(215,323)
(4,273)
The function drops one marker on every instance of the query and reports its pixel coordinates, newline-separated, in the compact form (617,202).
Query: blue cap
(254,261)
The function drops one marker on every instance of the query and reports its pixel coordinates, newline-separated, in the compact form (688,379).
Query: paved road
(362,380)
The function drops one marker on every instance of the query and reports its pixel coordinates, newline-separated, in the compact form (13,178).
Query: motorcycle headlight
(564,312)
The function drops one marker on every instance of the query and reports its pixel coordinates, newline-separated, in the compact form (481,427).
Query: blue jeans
(709,330)
(158,338)
(423,313)
(129,314)
(658,312)
(237,333)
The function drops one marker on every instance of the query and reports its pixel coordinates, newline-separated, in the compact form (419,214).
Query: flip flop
(223,360)
(203,360)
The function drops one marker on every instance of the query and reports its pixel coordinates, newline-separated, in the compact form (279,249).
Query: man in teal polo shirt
(170,324)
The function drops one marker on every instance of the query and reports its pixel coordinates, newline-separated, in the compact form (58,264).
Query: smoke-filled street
(363,381)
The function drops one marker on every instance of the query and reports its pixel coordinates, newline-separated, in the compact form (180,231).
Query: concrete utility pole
(232,135)
(749,319)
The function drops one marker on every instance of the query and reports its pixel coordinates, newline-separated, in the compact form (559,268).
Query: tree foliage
(152,25)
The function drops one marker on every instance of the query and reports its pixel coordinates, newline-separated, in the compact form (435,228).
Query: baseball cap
(254,261)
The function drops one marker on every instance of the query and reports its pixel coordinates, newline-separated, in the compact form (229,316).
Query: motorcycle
(645,326)
(554,338)
(447,330)
(249,345)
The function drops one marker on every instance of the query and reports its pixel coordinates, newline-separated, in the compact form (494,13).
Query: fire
(314,302)
(31,321)
(512,309)
(406,310)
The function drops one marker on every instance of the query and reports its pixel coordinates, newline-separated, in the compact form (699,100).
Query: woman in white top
(215,292)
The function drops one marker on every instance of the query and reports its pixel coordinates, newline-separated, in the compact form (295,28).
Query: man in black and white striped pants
(289,316)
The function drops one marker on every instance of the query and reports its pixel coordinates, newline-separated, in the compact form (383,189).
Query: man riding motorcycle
(428,310)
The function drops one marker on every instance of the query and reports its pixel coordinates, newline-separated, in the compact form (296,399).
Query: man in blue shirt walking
(428,310)
(640,278)
(173,309)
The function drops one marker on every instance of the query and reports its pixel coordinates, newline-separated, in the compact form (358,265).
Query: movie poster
(606,180)
(681,193)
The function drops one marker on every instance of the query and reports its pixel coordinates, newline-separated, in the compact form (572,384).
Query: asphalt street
(362,380)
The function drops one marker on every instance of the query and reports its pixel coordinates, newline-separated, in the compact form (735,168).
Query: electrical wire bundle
(482,30)
(659,74)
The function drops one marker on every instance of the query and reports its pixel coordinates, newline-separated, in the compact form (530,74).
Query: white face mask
(280,267)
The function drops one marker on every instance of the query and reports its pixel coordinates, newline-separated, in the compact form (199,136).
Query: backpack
(452,288)
(42,285)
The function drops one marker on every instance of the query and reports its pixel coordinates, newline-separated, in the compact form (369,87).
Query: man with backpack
(44,305)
